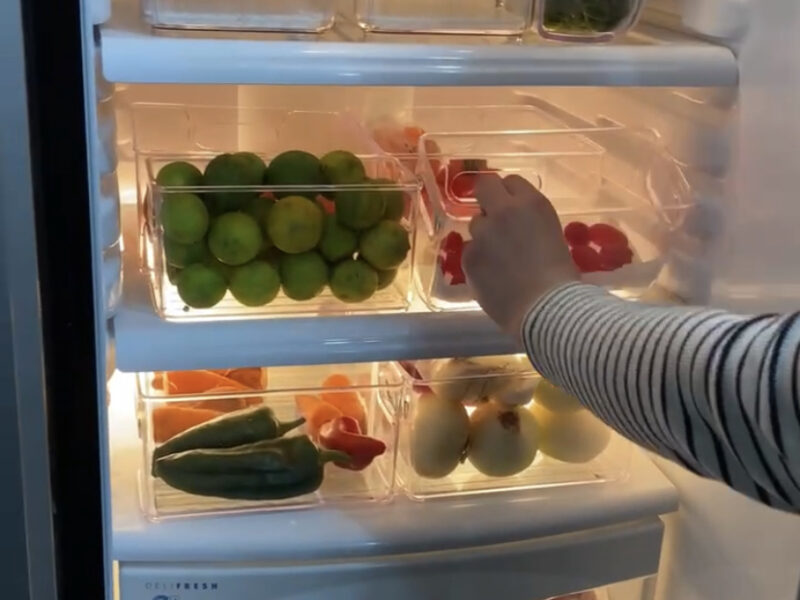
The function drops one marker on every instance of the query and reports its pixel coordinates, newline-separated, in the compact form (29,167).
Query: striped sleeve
(716,392)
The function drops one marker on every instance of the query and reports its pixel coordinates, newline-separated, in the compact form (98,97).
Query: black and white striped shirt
(715,392)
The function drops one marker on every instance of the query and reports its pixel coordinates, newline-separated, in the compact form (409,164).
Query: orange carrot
(197,382)
(169,421)
(252,377)
(347,401)
(316,412)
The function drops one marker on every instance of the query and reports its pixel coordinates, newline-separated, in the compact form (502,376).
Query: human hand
(517,252)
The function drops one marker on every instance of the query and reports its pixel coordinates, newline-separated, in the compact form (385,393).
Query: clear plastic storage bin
(597,177)
(489,17)
(196,135)
(467,428)
(585,20)
(170,402)
(243,15)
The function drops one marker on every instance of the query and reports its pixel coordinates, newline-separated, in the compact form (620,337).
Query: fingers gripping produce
(300,237)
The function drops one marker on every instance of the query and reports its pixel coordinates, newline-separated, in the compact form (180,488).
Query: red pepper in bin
(344,434)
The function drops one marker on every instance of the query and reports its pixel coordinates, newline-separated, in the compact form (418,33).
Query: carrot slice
(347,401)
(252,377)
(316,412)
(169,421)
(197,382)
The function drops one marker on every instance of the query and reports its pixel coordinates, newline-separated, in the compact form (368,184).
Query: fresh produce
(266,470)
(170,420)
(182,255)
(385,246)
(343,167)
(555,398)
(184,217)
(479,379)
(295,224)
(179,173)
(344,434)
(259,208)
(337,241)
(235,238)
(502,439)
(585,16)
(355,240)
(233,429)
(353,280)
(386,278)
(198,382)
(238,169)
(599,247)
(316,413)
(337,392)
(359,209)
(252,377)
(295,168)
(394,201)
(449,259)
(573,437)
(255,283)
(200,286)
(303,275)
(225,403)
(577,233)
(439,431)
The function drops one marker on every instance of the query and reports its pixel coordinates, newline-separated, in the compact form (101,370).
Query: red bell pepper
(344,434)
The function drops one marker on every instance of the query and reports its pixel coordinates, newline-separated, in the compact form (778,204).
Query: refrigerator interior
(139,542)
(695,128)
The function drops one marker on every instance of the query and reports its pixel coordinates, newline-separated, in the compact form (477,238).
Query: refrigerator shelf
(133,52)
(368,530)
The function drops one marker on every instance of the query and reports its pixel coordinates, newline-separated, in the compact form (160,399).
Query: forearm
(658,375)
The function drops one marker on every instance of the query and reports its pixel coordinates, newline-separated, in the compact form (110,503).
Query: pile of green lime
(255,243)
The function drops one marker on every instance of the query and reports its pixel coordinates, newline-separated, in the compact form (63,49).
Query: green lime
(295,224)
(394,199)
(225,270)
(295,167)
(353,281)
(172,274)
(303,275)
(341,166)
(238,169)
(259,208)
(235,238)
(386,278)
(359,209)
(183,255)
(337,242)
(256,283)
(200,286)
(184,217)
(385,246)
(179,173)
(256,164)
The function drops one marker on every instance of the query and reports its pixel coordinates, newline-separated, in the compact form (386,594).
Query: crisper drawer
(250,439)
(535,569)
(491,424)
(269,212)
(599,180)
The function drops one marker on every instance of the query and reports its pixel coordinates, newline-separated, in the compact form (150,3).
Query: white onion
(439,430)
(574,437)
(502,439)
